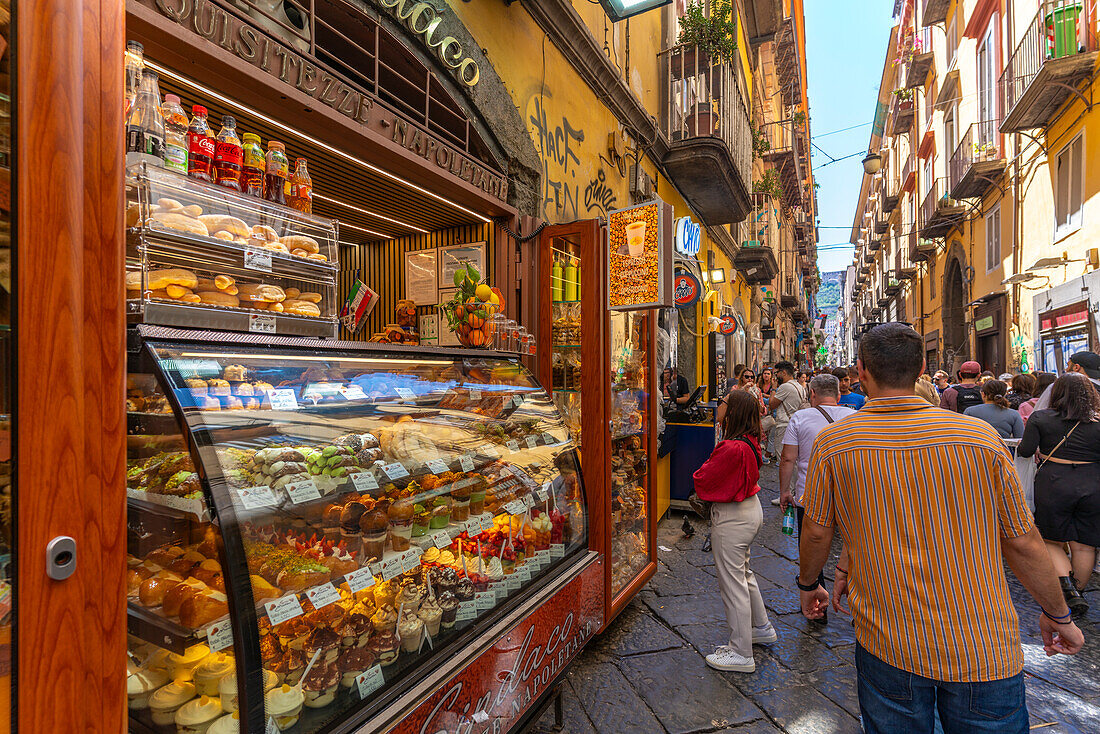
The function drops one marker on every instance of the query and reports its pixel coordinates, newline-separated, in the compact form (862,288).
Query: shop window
(993,238)
(1069,187)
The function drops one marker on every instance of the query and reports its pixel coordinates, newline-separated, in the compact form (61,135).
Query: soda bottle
(788,520)
(228,155)
(200,146)
(175,134)
(301,188)
(252,168)
(276,173)
(135,67)
(145,127)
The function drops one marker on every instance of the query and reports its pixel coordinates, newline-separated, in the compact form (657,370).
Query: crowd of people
(929,482)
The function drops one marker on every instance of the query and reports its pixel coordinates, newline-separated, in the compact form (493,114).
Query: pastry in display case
(381,506)
(203,255)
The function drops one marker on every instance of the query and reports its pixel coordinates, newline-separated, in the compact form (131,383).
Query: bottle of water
(788,520)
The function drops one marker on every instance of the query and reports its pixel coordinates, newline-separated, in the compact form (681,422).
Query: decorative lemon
(483,293)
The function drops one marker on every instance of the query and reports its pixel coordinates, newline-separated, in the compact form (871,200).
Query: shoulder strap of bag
(825,413)
(759,459)
(1068,434)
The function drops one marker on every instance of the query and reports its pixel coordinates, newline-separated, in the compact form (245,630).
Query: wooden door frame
(70,428)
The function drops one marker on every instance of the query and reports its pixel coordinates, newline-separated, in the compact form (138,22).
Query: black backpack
(967,396)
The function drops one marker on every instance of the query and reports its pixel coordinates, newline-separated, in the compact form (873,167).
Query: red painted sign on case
(498,688)
(728,325)
(687,290)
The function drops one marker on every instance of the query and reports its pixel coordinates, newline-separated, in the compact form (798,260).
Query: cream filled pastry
(196,716)
(167,699)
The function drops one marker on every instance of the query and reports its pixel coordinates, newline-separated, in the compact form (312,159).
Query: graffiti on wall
(598,196)
(557,141)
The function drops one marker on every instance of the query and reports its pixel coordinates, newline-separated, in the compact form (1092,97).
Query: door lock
(60,558)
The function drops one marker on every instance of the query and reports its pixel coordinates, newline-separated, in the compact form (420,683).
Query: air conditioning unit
(642,185)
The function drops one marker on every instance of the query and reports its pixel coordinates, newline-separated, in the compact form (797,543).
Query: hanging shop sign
(502,684)
(619,9)
(984,324)
(687,289)
(687,237)
(639,255)
(426,22)
(310,77)
(728,325)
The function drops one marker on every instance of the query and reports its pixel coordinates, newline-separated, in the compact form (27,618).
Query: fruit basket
(470,312)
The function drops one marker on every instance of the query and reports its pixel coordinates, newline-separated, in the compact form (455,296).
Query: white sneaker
(763,635)
(724,658)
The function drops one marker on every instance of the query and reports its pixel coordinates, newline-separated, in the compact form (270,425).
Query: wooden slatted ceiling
(382,267)
(339,179)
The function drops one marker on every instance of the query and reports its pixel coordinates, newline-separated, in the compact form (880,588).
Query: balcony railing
(756,259)
(788,66)
(939,213)
(1058,50)
(920,60)
(978,162)
(935,11)
(707,124)
(902,114)
(786,152)
(889,190)
(908,178)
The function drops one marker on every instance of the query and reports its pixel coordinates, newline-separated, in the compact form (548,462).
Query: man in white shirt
(786,401)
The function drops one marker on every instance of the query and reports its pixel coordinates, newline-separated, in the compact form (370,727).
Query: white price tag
(491,450)
(513,582)
(532,442)
(323,595)
(524,573)
(364,481)
(544,493)
(304,491)
(473,527)
(256,498)
(441,540)
(271,727)
(370,681)
(353,392)
(517,400)
(467,463)
(557,550)
(261,323)
(396,470)
(467,611)
(438,466)
(283,398)
(281,610)
(257,259)
(391,568)
(548,439)
(512,445)
(359,580)
(219,635)
(405,393)
(410,559)
(487,523)
(484,601)
(542,558)
(475,394)
(529,500)
(515,507)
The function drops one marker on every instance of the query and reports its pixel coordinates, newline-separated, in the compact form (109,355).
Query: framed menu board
(639,254)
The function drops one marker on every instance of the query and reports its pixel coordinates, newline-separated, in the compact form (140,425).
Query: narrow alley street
(646,673)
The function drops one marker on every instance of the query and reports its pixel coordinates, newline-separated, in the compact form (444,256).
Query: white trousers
(734,526)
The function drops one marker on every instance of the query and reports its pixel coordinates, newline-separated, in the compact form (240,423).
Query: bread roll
(219,223)
(133,215)
(299,252)
(200,610)
(318,257)
(273,246)
(301,242)
(309,296)
(261,292)
(291,292)
(193,211)
(263,232)
(177,291)
(151,592)
(160,279)
(180,222)
(175,597)
(169,205)
(133,280)
(224,236)
(218,298)
(190,297)
(301,308)
(221,282)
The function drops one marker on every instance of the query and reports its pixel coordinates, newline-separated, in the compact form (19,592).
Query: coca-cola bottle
(145,127)
(228,155)
(135,66)
(301,188)
(200,146)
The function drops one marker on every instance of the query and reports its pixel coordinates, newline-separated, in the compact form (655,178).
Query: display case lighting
(310,139)
(283,357)
(369,213)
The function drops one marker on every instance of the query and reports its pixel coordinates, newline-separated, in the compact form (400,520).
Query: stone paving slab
(682,580)
(703,608)
(838,685)
(685,695)
(611,702)
(636,632)
(803,710)
(838,631)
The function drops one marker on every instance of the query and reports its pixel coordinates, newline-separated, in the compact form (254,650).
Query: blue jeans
(892,700)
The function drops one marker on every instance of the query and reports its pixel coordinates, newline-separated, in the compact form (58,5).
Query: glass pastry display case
(607,356)
(201,255)
(315,527)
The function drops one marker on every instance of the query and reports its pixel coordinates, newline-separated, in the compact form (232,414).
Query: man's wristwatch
(812,587)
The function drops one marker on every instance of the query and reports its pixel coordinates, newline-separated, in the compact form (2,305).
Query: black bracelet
(841,570)
(814,587)
(1065,619)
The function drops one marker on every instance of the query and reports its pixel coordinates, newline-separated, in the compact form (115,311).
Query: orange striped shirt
(922,498)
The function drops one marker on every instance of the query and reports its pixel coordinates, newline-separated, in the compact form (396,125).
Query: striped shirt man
(923,498)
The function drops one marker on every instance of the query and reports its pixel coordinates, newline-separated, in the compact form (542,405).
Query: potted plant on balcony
(705,39)
(984,151)
(769,185)
(702,120)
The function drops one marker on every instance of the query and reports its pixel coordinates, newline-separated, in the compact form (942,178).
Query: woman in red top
(730,479)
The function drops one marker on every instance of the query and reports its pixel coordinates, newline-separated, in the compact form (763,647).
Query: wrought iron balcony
(707,124)
(756,258)
(907,273)
(869,259)
(903,114)
(788,64)
(979,162)
(889,191)
(874,245)
(784,152)
(791,292)
(939,213)
(920,62)
(893,286)
(882,224)
(935,11)
(923,251)
(1057,52)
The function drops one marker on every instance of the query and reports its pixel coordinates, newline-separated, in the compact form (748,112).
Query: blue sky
(845,48)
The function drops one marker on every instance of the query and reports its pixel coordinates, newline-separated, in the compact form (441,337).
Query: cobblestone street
(646,674)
